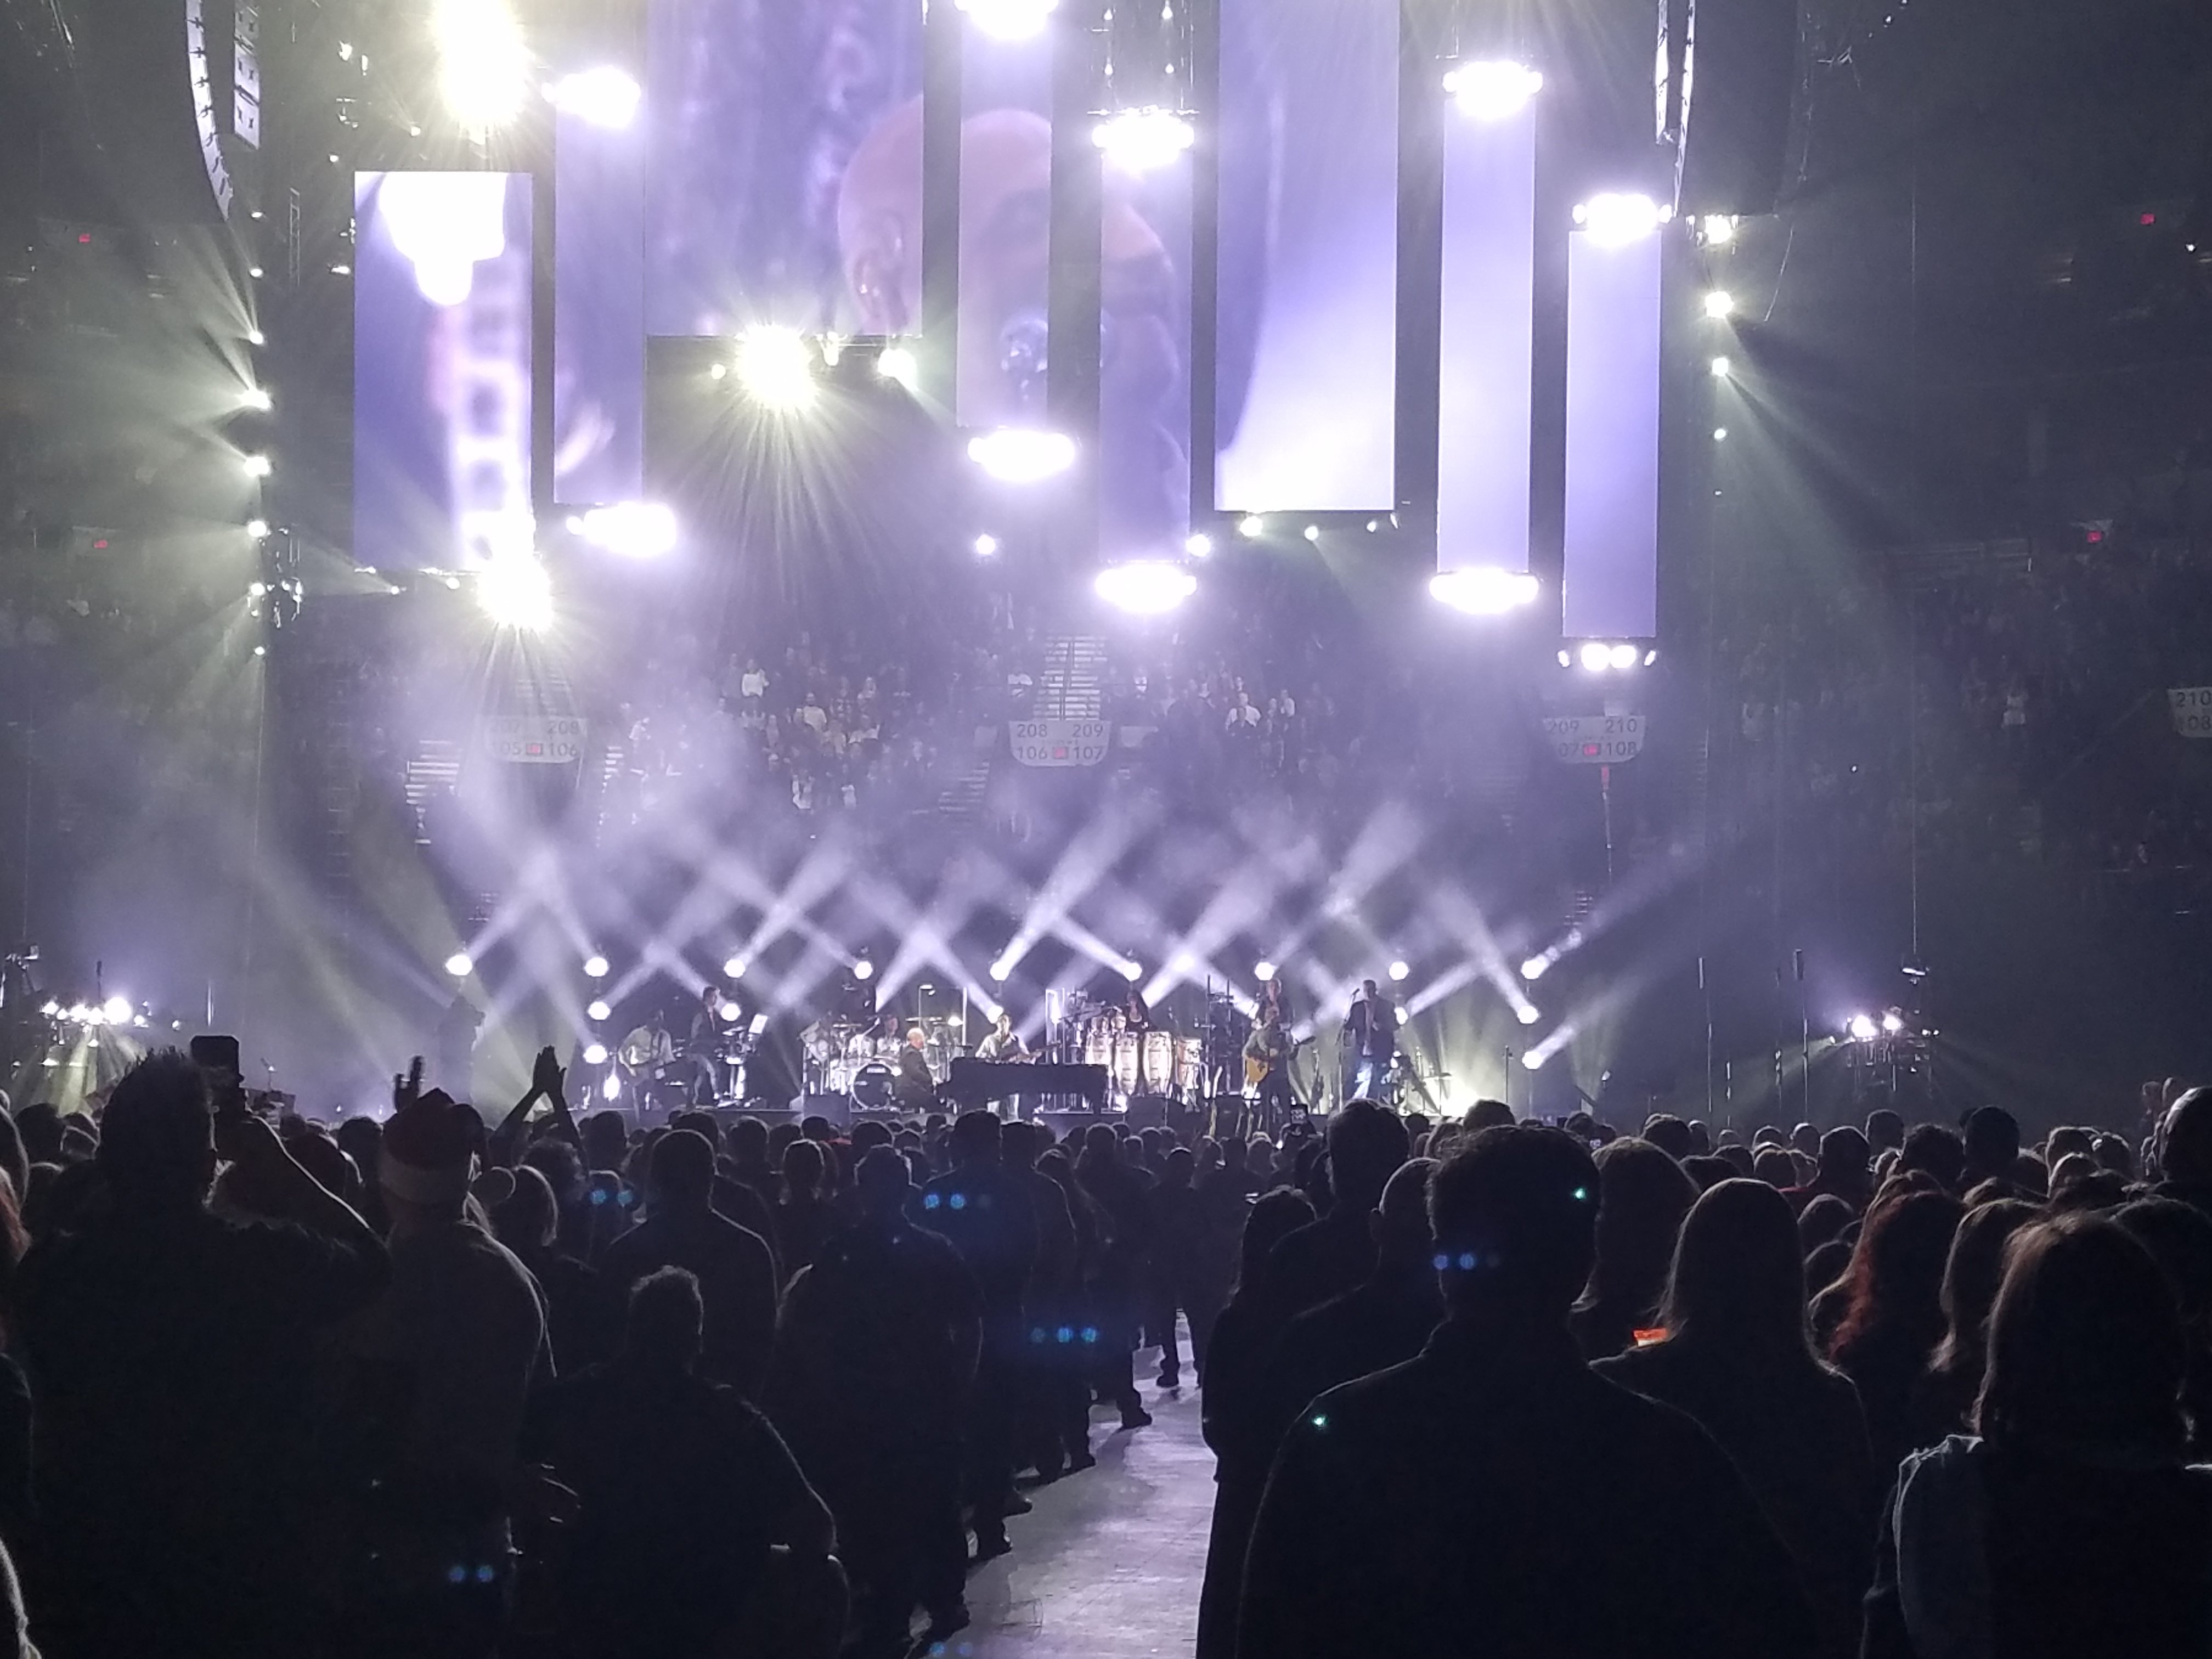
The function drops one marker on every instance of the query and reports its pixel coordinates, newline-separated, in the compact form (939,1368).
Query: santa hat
(430,1146)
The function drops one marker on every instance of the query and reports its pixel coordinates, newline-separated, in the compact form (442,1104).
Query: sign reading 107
(1594,739)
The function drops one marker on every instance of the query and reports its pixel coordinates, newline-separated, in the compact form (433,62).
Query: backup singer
(1136,1021)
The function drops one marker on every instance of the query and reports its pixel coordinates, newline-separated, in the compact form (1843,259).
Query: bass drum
(871,1087)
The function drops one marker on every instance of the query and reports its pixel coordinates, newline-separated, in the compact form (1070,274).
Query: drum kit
(860,1058)
(1137,1063)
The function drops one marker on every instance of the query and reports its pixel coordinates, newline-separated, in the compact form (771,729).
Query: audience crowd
(2008,709)
(436,1384)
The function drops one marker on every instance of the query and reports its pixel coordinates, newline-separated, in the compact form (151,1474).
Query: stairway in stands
(1944,564)
(437,766)
(1072,685)
(962,798)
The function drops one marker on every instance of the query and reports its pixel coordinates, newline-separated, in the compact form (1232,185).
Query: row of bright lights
(460,965)
(116,1010)
(1602,656)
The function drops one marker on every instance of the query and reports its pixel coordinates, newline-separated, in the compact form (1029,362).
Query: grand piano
(976,1082)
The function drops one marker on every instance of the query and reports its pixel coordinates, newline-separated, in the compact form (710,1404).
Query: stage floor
(1108,1566)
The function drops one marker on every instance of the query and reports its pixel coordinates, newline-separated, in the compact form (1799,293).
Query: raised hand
(546,1076)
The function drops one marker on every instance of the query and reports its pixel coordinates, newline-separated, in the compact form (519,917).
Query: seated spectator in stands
(734,1267)
(1893,1312)
(1643,1195)
(1738,1358)
(1376,1325)
(1500,1433)
(171,1352)
(683,1494)
(2073,1525)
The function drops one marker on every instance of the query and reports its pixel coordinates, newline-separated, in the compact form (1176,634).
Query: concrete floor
(1108,1566)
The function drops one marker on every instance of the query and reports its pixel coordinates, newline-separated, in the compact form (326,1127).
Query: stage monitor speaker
(1737,124)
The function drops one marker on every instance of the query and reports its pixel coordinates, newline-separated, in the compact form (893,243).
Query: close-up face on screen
(759,113)
(442,384)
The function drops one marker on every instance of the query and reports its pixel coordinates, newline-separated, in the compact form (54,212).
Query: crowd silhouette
(429,1384)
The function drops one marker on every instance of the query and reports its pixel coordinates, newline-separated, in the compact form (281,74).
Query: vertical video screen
(1609,586)
(1307,316)
(1006,229)
(1486,386)
(784,176)
(598,314)
(442,384)
(1144,362)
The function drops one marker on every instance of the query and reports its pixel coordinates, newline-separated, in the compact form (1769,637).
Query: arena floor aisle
(1108,1566)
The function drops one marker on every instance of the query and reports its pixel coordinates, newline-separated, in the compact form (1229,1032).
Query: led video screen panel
(784,173)
(1308,317)
(1610,585)
(1006,228)
(442,385)
(1144,362)
(1487,385)
(598,313)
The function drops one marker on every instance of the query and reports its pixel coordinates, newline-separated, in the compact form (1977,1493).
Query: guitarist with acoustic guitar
(1267,1068)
